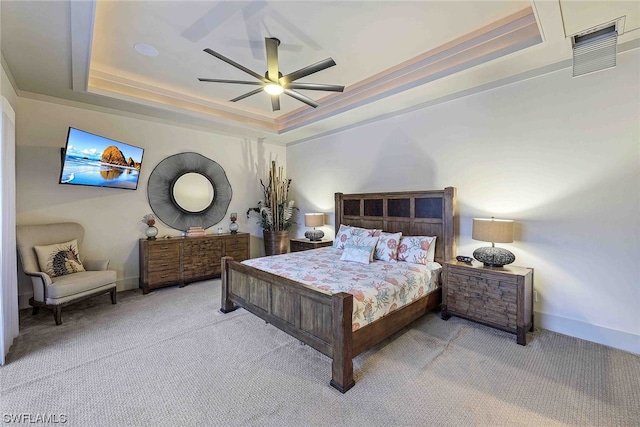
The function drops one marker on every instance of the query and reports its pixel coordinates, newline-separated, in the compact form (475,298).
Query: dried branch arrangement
(276,210)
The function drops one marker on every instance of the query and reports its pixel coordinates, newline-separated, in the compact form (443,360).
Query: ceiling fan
(273,82)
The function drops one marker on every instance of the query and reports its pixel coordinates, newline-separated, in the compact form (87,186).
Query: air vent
(596,49)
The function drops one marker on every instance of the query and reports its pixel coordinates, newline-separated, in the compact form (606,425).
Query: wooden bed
(324,320)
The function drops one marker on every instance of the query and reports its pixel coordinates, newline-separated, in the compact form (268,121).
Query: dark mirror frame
(162,201)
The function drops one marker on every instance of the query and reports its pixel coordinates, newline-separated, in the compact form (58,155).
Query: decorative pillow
(361,254)
(346,232)
(417,249)
(387,247)
(359,249)
(59,259)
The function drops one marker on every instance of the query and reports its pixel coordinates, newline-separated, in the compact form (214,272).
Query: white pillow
(417,249)
(345,232)
(359,249)
(387,247)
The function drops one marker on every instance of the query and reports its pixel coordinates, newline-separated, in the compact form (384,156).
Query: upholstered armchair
(52,260)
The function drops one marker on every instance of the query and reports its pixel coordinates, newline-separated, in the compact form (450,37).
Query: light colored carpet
(171,358)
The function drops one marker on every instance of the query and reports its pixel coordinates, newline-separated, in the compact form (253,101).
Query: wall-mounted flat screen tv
(97,161)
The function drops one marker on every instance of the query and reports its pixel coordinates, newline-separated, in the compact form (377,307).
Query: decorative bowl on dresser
(501,297)
(181,260)
(298,245)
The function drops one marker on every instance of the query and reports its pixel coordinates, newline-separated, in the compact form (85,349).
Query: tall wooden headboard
(414,213)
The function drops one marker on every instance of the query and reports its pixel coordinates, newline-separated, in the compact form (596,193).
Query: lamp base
(314,235)
(494,257)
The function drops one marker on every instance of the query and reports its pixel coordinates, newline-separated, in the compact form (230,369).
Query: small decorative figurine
(233,227)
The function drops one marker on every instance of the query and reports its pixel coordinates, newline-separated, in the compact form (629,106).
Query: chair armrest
(96,264)
(39,281)
(46,279)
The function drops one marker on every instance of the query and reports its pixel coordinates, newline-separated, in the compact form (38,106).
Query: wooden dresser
(180,260)
(501,297)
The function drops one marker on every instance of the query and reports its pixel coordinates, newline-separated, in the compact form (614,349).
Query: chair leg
(57,314)
(35,310)
(113,296)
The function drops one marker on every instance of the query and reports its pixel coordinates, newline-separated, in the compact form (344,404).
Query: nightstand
(297,245)
(501,297)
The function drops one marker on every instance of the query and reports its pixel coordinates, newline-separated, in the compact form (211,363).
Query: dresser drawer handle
(165,264)
(164,247)
(165,255)
(166,275)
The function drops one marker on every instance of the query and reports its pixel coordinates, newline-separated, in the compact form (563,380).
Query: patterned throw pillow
(359,249)
(387,247)
(417,249)
(59,259)
(346,232)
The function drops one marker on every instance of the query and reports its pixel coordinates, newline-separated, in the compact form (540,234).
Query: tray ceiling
(390,55)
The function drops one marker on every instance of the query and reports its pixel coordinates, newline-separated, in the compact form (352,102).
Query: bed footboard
(313,316)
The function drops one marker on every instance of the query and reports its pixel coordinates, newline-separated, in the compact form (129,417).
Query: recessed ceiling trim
(508,35)
(155,98)
(107,81)
(82,14)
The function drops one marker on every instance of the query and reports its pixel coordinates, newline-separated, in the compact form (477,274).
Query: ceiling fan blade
(246,95)
(275,102)
(272,58)
(303,72)
(235,64)
(230,81)
(316,86)
(301,97)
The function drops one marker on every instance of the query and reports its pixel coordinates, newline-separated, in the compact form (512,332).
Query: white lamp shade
(492,230)
(314,219)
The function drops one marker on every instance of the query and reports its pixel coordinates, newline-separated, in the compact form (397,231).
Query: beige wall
(112,217)
(561,156)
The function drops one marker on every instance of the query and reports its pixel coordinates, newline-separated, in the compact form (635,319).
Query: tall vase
(276,242)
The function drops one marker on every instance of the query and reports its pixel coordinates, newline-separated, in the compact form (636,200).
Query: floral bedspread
(378,288)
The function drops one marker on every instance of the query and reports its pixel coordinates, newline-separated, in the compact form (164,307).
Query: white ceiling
(390,55)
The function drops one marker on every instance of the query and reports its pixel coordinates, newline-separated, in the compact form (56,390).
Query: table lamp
(314,220)
(494,231)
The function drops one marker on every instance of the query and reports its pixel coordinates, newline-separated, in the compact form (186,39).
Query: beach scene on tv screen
(95,160)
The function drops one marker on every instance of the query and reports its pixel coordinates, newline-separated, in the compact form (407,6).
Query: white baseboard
(610,337)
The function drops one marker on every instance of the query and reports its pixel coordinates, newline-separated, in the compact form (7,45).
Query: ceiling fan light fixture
(273,82)
(273,89)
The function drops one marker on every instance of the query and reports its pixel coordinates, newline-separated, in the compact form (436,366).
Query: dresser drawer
(164,264)
(158,278)
(238,255)
(482,301)
(171,250)
(200,270)
(234,245)
(202,247)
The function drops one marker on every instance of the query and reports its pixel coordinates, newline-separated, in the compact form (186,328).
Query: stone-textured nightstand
(297,245)
(501,297)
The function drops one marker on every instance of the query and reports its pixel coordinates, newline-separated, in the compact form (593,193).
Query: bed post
(342,345)
(226,305)
(338,211)
(449,218)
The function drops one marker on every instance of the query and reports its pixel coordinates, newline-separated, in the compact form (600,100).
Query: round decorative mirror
(192,192)
(189,190)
